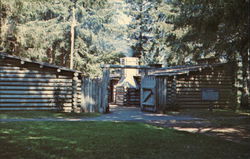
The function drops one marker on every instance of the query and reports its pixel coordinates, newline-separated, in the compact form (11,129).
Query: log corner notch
(76,94)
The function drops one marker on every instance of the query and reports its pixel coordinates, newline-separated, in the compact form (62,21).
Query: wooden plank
(147,96)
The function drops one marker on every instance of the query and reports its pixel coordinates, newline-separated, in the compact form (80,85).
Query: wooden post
(83,94)
(144,73)
(105,83)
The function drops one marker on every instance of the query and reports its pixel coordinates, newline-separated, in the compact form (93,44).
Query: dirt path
(236,133)
(120,114)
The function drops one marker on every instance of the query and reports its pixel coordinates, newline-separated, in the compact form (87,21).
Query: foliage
(215,28)
(143,29)
(41,30)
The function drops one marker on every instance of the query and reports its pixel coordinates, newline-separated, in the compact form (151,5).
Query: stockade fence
(93,95)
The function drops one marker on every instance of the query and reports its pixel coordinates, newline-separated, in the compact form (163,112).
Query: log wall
(185,91)
(189,88)
(127,96)
(27,86)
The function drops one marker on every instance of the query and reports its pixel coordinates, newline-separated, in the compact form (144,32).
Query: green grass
(110,140)
(43,115)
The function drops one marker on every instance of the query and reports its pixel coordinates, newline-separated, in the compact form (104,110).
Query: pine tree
(41,31)
(217,28)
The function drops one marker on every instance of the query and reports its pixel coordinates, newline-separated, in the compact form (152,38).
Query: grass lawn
(43,115)
(110,140)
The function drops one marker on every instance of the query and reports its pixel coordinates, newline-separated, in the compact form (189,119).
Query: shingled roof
(179,70)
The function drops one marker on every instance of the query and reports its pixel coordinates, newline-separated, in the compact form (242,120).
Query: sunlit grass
(109,140)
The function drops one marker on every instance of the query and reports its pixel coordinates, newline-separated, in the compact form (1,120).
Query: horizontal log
(202,80)
(33,105)
(29,92)
(34,96)
(202,84)
(203,106)
(37,84)
(9,67)
(205,78)
(191,84)
(45,76)
(200,103)
(133,97)
(52,100)
(186,97)
(37,108)
(200,100)
(35,80)
(183,89)
(34,88)
(19,70)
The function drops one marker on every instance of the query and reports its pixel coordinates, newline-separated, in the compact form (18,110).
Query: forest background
(170,32)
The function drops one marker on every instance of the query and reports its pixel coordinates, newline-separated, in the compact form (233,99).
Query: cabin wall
(27,86)
(189,88)
(127,96)
(185,91)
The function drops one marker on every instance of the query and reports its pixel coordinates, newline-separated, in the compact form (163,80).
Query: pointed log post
(144,73)
(105,84)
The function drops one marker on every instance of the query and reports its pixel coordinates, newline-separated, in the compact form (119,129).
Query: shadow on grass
(44,115)
(109,140)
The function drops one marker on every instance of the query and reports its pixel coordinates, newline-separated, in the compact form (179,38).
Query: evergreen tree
(41,30)
(217,28)
(143,29)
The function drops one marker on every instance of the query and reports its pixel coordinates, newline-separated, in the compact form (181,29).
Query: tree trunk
(73,24)
(245,75)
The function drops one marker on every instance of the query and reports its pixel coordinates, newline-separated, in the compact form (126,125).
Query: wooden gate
(148,93)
